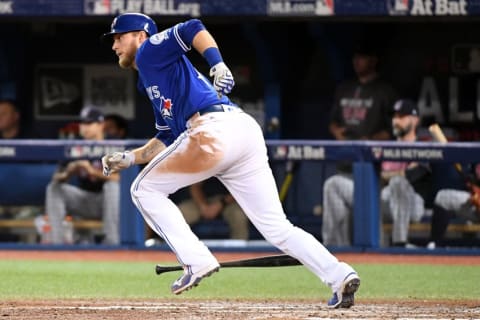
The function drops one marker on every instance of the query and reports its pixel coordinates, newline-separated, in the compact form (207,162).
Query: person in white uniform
(201,134)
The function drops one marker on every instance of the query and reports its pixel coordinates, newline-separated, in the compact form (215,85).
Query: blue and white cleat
(345,296)
(189,279)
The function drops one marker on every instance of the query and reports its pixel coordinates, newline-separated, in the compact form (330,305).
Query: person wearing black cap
(407,184)
(95,195)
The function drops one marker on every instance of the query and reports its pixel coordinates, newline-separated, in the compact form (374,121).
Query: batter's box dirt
(234,310)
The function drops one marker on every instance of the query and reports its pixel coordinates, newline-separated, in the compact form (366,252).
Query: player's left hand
(222,78)
(117,161)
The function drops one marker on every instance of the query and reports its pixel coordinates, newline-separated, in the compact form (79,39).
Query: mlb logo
(96,7)
(280,152)
(401,5)
(324,7)
(398,7)
(377,152)
(74,152)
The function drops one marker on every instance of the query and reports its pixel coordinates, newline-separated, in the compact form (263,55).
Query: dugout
(287,56)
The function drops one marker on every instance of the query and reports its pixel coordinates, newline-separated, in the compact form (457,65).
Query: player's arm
(194,32)
(65,171)
(337,131)
(117,161)
(148,151)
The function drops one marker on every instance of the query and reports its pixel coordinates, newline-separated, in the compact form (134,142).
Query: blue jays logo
(167,108)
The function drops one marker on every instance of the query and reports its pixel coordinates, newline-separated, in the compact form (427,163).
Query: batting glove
(117,161)
(222,78)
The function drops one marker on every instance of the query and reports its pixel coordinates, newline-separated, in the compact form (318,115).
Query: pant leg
(252,184)
(62,199)
(337,210)
(451,199)
(447,203)
(404,206)
(111,212)
(192,157)
(439,224)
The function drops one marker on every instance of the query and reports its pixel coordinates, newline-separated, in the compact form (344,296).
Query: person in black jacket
(406,184)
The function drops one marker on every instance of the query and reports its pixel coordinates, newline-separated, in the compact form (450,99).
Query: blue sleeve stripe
(179,39)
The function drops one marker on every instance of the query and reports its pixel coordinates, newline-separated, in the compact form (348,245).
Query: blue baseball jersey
(174,86)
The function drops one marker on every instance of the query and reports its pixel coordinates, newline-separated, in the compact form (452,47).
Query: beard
(400,132)
(126,61)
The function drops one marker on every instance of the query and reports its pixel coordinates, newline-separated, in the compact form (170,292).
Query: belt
(217,108)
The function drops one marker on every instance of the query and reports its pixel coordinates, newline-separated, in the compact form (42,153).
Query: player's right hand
(222,78)
(117,161)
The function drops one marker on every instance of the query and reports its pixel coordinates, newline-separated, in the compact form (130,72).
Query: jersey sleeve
(164,48)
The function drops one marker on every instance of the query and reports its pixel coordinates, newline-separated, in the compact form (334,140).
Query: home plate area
(234,309)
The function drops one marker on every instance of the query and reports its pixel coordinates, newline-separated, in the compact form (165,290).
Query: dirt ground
(233,309)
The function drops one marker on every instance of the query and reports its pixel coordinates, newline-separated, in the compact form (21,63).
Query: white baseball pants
(230,146)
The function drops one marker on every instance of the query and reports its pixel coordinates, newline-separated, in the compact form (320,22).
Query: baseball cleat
(189,280)
(345,296)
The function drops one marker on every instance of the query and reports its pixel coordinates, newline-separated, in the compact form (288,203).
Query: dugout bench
(26,167)
(24,184)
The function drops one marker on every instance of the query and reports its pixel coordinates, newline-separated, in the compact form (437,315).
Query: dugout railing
(30,156)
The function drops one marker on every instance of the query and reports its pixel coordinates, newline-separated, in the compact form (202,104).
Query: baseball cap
(405,107)
(91,114)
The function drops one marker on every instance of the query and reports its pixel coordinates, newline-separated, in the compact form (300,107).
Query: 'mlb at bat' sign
(299,153)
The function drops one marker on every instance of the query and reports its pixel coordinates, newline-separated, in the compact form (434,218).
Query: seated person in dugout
(94,197)
(210,200)
(405,188)
(449,203)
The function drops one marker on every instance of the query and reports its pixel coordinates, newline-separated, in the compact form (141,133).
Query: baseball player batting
(201,134)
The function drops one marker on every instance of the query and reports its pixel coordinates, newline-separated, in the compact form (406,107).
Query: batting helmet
(127,22)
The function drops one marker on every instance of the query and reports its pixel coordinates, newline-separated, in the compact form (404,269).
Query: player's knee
(399,183)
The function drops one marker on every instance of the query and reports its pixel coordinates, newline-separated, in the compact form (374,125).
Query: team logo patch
(167,108)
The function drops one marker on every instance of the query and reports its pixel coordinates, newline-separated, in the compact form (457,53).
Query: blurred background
(287,57)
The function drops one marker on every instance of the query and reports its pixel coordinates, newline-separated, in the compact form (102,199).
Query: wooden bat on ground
(282,260)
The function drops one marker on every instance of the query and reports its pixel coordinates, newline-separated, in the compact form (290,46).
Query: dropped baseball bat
(438,136)
(282,260)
